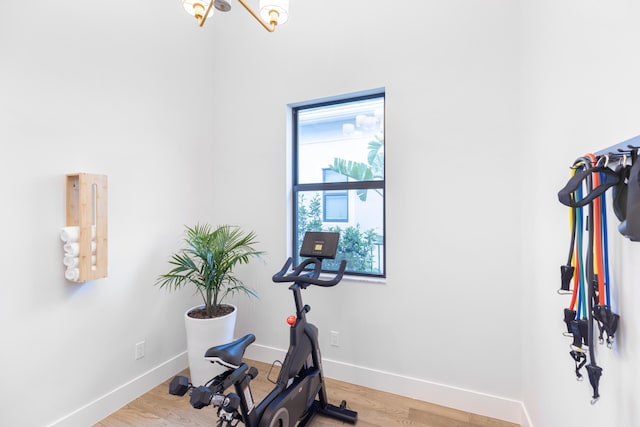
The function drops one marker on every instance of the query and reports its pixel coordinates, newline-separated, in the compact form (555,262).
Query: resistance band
(588,263)
(605,250)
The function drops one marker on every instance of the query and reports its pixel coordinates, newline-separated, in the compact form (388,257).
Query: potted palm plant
(207,262)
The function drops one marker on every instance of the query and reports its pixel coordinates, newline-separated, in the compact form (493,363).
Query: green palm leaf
(208,260)
(359,171)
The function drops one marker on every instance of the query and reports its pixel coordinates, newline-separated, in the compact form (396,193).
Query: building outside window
(335,202)
(338,178)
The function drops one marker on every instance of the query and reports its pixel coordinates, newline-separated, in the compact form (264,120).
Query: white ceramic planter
(203,334)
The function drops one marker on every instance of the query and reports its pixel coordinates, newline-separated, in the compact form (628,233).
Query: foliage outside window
(338,178)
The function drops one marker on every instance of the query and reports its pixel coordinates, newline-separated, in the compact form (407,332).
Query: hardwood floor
(375,409)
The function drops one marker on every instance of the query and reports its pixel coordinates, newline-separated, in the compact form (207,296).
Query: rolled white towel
(73,248)
(71,233)
(72,274)
(74,261)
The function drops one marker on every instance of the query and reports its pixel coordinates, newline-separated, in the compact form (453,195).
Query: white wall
(119,95)
(448,312)
(581,94)
(105,93)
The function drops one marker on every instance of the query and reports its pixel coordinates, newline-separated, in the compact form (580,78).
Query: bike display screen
(320,244)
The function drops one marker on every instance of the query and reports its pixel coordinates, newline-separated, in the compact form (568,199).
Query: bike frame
(303,355)
(299,393)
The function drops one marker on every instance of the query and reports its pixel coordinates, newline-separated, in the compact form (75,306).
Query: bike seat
(230,355)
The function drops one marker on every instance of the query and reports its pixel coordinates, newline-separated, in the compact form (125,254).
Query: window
(338,178)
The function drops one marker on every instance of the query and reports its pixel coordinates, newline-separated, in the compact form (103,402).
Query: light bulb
(197,8)
(274,10)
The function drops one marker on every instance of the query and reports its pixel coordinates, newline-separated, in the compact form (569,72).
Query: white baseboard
(103,406)
(415,388)
(453,397)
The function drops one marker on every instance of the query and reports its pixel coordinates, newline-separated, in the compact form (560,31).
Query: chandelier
(272,12)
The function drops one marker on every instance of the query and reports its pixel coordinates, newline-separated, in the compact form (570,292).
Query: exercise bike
(299,393)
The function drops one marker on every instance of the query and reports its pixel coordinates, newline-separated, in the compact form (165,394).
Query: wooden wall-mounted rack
(87,209)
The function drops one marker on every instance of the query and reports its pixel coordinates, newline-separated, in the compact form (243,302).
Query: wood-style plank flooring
(375,409)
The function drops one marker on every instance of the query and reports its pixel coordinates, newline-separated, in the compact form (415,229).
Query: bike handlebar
(309,277)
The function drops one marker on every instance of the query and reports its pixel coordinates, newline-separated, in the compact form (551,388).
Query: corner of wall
(102,407)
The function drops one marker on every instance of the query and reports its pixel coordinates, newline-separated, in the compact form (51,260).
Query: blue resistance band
(582,306)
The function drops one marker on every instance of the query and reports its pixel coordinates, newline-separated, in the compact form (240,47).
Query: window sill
(356,278)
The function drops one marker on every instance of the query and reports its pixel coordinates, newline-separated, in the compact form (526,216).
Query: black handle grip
(336,279)
(565,196)
(284,269)
(300,275)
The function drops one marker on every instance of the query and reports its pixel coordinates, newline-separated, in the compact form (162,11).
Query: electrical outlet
(335,339)
(139,350)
